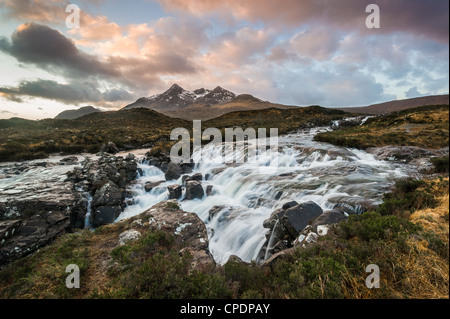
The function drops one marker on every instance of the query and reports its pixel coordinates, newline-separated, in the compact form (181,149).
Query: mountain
(176,98)
(74,114)
(399,105)
(202,104)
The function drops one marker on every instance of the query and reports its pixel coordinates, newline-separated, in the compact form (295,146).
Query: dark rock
(209,190)
(72,160)
(149,185)
(285,225)
(196,177)
(105,215)
(289,205)
(108,195)
(327,218)
(174,171)
(175,191)
(109,147)
(194,190)
(298,217)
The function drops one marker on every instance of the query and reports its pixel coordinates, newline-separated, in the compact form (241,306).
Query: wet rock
(149,185)
(194,190)
(215,210)
(196,177)
(210,190)
(175,191)
(72,160)
(174,171)
(105,215)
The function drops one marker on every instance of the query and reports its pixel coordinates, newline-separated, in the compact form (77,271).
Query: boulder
(327,218)
(109,147)
(296,218)
(174,171)
(175,191)
(128,236)
(108,195)
(105,215)
(194,190)
(150,185)
(285,225)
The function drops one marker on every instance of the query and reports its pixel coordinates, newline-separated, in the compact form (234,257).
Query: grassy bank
(426,127)
(408,240)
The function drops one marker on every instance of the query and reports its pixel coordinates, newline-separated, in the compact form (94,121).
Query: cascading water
(246,194)
(87,217)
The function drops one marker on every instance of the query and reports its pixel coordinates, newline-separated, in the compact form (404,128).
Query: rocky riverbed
(250,211)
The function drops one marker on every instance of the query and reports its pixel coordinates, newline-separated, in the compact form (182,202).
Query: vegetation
(426,127)
(409,243)
(23,139)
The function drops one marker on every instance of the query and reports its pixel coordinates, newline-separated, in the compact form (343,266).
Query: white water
(304,170)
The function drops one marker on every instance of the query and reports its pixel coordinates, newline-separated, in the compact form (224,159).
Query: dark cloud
(50,50)
(73,93)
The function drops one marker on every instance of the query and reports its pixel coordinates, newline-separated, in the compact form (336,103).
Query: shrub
(440,164)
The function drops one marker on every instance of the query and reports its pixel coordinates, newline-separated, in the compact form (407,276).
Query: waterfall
(87,217)
(270,243)
(246,194)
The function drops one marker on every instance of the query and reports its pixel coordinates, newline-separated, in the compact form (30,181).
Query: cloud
(73,93)
(45,11)
(8,112)
(50,50)
(410,16)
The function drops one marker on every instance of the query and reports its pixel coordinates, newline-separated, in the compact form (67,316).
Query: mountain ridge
(74,114)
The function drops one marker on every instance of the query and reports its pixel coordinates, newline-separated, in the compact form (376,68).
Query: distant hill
(74,114)
(399,105)
(201,104)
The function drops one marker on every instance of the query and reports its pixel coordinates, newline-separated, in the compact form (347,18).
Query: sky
(295,52)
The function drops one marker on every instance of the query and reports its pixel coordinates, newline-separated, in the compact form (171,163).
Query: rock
(296,218)
(188,228)
(196,177)
(174,171)
(128,236)
(108,195)
(327,218)
(285,226)
(149,185)
(72,160)
(109,147)
(194,190)
(21,238)
(210,190)
(105,215)
(289,205)
(175,191)
(236,260)
(215,210)
(399,153)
